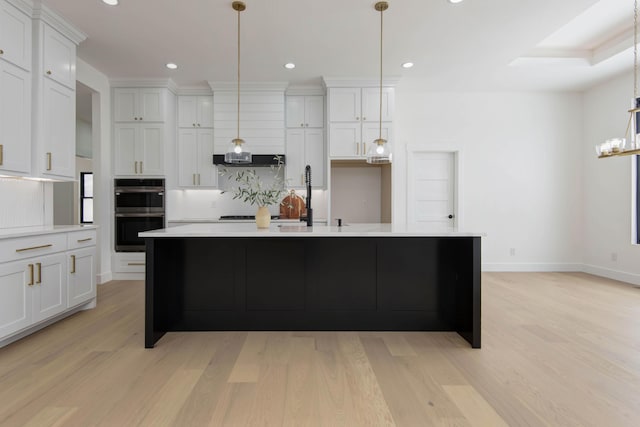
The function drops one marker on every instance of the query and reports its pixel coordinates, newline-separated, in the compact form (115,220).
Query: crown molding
(390,81)
(44,14)
(249,86)
(194,91)
(164,83)
(305,90)
(22,5)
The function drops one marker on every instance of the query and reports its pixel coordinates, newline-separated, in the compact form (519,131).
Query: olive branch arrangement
(252,189)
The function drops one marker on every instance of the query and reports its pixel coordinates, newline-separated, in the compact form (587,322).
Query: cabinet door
(15,119)
(15,297)
(345,140)
(187,157)
(314,155)
(187,111)
(295,111)
(50,289)
(59,132)
(59,58)
(15,36)
(81,285)
(125,105)
(151,105)
(125,162)
(150,150)
(344,104)
(371,104)
(205,112)
(314,111)
(371,132)
(207,172)
(294,169)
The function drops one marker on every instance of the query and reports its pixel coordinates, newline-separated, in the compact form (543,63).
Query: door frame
(457,152)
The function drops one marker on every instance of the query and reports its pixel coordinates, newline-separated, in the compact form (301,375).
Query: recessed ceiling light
(407,65)
(289,65)
(455,1)
(110,2)
(172,66)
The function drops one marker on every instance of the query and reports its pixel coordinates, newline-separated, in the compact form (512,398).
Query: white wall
(521,169)
(608,185)
(101,137)
(84,143)
(22,203)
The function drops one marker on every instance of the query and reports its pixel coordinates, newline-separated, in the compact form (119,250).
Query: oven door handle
(140,215)
(156,190)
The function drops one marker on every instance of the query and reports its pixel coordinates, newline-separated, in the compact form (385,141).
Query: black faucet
(307,181)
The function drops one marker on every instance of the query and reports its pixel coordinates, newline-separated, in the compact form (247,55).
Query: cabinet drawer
(27,247)
(81,239)
(129,263)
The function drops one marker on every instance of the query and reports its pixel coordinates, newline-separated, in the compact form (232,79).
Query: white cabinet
(15,36)
(15,298)
(195,158)
(354,120)
(59,62)
(139,105)
(43,276)
(305,111)
(81,285)
(195,111)
(58,155)
(15,119)
(139,149)
(305,147)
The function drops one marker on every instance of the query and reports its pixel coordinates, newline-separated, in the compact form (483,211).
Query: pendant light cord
(380,122)
(238,117)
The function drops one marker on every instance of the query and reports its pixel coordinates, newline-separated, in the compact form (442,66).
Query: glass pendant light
(618,146)
(379,151)
(236,153)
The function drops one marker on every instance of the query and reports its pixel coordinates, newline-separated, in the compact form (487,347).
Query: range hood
(257,160)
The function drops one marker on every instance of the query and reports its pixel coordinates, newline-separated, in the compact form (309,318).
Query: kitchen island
(374,277)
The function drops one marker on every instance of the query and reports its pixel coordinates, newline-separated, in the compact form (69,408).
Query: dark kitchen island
(366,277)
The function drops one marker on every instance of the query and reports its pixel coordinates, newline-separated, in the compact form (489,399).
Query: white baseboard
(128,276)
(532,267)
(105,277)
(622,276)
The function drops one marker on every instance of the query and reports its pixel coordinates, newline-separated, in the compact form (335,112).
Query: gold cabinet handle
(30,275)
(140,118)
(34,247)
(301,125)
(1,154)
(198,179)
(135,118)
(73,264)
(193,178)
(357,148)
(364,118)
(194,125)
(364,148)
(48,72)
(88,239)
(39,265)
(301,179)
(1,52)
(136,167)
(358,118)
(135,263)
(48,161)
(198,124)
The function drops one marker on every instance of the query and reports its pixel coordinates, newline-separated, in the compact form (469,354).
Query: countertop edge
(12,233)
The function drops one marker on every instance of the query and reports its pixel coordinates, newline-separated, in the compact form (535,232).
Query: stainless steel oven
(139,206)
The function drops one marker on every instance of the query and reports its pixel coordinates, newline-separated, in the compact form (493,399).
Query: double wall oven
(139,206)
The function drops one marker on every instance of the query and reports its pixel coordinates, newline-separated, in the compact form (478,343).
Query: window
(86,197)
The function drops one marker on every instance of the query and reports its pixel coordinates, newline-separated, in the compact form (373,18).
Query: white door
(345,139)
(15,36)
(187,157)
(344,104)
(15,119)
(50,289)
(295,111)
(151,107)
(205,112)
(371,104)
(150,150)
(59,130)
(315,155)
(59,58)
(82,276)
(294,168)
(314,111)
(124,105)
(207,172)
(125,162)
(431,190)
(187,115)
(15,297)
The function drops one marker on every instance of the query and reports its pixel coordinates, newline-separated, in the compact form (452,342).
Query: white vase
(263,217)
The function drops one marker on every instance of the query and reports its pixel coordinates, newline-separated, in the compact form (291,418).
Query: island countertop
(299,230)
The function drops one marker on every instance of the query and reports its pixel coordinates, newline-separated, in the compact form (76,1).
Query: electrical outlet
(614,256)
(512,251)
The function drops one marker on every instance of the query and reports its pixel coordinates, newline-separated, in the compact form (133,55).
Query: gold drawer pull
(48,161)
(1,52)
(73,263)
(135,263)
(33,248)
(48,72)
(85,240)
(30,275)
(1,154)
(39,265)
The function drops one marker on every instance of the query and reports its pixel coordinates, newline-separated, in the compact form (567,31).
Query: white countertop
(11,233)
(299,230)
(234,221)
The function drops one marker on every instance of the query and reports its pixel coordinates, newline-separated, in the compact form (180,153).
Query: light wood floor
(558,350)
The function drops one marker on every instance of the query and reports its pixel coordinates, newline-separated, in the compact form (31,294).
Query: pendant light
(236,153)
(618,146)
(379,151)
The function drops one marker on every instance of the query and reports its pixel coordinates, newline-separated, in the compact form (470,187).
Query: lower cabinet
(37,287)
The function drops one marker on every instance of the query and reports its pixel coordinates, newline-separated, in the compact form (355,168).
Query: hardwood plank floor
(559,349)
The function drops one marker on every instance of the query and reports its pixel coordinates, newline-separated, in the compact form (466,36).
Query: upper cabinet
(139,105)
(15,91)
(15,36)
(59,62)
(305,111)
(195,111)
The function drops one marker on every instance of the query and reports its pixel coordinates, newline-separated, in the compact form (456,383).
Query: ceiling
(474,45)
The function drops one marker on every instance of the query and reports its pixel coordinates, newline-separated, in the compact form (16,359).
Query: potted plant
(254,190)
